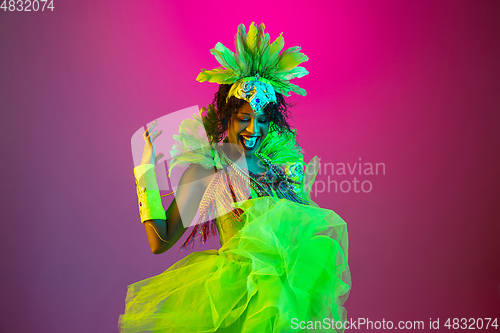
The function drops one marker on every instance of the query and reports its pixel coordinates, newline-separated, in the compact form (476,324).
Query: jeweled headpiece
(257,69)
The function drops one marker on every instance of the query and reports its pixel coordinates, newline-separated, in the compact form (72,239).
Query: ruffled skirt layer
(284,270)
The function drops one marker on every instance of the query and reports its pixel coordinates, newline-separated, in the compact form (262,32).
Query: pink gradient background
(412,84)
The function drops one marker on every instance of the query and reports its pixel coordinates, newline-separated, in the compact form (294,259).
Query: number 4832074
(27,5)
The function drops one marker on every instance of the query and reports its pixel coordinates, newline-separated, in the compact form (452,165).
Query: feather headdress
(256,56)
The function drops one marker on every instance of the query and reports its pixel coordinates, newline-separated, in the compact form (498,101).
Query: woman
(282,265)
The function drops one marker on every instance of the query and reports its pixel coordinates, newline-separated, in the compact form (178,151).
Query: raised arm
(164,233)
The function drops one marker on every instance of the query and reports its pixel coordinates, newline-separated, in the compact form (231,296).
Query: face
(248,130)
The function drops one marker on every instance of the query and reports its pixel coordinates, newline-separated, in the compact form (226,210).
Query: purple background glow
(412,84)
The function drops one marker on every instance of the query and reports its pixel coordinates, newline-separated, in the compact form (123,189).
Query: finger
(150,128)
(153,136)
(158,157)
(156,134)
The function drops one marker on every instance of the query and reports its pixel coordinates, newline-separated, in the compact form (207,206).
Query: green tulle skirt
(285,269)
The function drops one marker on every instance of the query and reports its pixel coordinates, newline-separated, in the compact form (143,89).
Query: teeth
(249,141)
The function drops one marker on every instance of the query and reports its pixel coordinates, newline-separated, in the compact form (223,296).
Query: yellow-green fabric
(288,261)
(150,206)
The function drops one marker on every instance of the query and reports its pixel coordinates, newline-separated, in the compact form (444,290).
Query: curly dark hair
(220,114)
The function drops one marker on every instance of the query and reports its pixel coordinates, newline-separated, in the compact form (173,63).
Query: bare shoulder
(196,173)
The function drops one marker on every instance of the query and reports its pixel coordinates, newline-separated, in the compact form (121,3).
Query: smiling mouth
(249,142)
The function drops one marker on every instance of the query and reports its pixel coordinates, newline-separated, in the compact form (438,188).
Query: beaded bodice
(231,184)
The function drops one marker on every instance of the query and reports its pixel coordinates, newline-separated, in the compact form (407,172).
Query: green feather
(191,145)
(282,147)
(243,57)
(264,55)
(225,57)
(296,72)
(289,61)
(260,38)
(296,89)
(251,40)
(274,51)
(218,75)
(254,54)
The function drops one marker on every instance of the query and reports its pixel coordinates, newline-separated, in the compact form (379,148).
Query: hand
(149,154)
